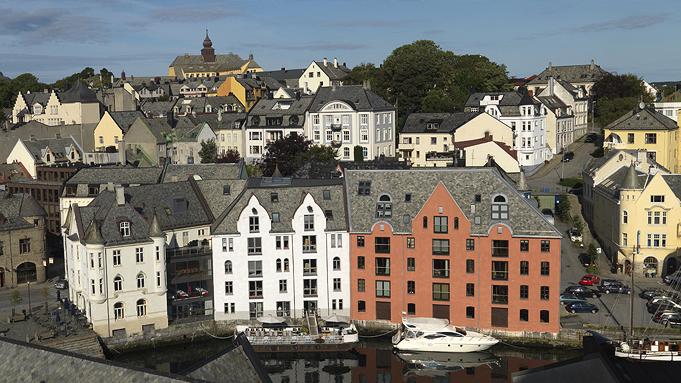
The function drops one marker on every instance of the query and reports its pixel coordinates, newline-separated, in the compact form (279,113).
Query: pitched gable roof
(643,119)
(443,122)
(357,96)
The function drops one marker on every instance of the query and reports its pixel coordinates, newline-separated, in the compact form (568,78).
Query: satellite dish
(642,105)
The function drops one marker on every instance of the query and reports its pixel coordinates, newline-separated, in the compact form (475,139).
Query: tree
(437,101)
(320,154)
(3,117)
(9,89)
(358,154)
(285,153)
(616,95)
(231,156)
(476,73)
(208,152)
(364,72)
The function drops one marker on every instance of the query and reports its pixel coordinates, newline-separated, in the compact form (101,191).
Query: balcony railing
(188,252)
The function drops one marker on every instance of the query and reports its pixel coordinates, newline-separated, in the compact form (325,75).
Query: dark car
(61,284)
(664,316)
(581,307)
(650,293)
(673,321)
(674,278)
(660,305)
(584,259)
(590,138)
(582,292)
(568,298)
(613,286)
(568,156)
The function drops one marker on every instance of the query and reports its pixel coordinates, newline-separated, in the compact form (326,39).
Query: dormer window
(364,188)
(124,228)
(499,207)
(209,109)
(226,190)
(384,207)
(274,197)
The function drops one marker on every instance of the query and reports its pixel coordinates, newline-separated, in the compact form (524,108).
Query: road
(548,177)
(37,297)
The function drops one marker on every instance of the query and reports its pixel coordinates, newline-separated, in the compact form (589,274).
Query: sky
(55,38)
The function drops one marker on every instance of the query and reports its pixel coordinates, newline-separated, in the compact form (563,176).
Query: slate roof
(612,184)
(36,97)
(82,133)
(157,108)
(271,108)
(334,73)
(643,119)
(118,175)
(357,96)
(174,173)
(199,103)
(249,82)
(79,92)
(284,75)
(482,140)
(570,73)
(446,122)
(14,171)
(58,146)
(462,183)
(195,63)
(15,207)
(125,119)
(290,192)
(554,103)
(674,183)
(225,121)
(515,98)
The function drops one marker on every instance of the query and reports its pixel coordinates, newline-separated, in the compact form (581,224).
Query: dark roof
(334,73)
(257,81)
(643,119)
(285,108)
(216,102)
(195,63)
(125,119)
(439,122)
(357,96)
(283,74)
(118,175)
(515,98)
(234,171)
(571,73)
(462,183)
(674,183)
(58,146)
(223,121)
(15,208)
(612,184)
(477,141)
(157,107)
(79,92)
(36,97)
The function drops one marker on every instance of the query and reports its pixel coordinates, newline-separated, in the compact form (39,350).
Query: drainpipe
(293,269)
(106,296)
(326,266)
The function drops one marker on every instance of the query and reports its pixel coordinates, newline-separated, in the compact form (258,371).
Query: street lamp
(28,284)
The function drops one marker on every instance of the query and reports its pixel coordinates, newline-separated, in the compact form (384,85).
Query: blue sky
(56,38)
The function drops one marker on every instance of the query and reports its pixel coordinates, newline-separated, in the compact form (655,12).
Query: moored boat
(660,351)
(437,335)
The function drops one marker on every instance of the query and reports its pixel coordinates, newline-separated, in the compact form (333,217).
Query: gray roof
(118,175)
(570,73)
(82,133)
(612,184)
(334,73)
(224,121)
(554,103)
(445,122)
(674,183)
(157,108)
(234,171)
(15,208)
(199,103)
(36,97)
(643,119)
(462,183)
(257,81)
(125,119)
(290,194)
(79,92)
(514,98)
(215,195)
(58,146)
(357,96)
(271,108)
(195,63)
(284,75)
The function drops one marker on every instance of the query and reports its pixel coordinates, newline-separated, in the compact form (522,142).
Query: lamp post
(28,284)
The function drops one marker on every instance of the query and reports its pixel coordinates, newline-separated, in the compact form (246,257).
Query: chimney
(120,195)
(219,114)
(335,62)
(326,62)
(550,65)
(366,84)
(551,85)
(250,56)
(283,69)
(333,86)
(593,64)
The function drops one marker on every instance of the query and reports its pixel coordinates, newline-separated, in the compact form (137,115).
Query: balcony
(336,127)
(188,252)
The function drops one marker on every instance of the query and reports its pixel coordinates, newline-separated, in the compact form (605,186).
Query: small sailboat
(437,335)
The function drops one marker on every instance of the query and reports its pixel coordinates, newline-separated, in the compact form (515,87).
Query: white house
(575,98)
(32,153)
(526,117)
(77,105)
(282,249)
(322,73)
(351,115)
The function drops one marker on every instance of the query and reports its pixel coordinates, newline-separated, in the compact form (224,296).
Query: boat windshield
(460,331)
(414,334)
(434,336)
(451,333)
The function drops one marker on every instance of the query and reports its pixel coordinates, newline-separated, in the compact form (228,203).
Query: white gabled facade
(259,272)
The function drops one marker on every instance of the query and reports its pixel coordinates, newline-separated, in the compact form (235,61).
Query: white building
(576,98)
(77,105)
(281,249)
(33,153)
(526,117)
(347,116)
(670,105)
(322,73)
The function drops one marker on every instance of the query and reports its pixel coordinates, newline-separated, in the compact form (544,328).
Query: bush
(571,182)
(598,153)
(563,208)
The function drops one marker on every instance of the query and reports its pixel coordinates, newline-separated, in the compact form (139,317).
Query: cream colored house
(54,151)
(77,105)
(479,152)
(112,127)
(323,73)
(427,138)
(229,130)
(560,123)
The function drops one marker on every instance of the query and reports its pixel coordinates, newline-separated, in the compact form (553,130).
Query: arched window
(499,207)
(228,267)
(141,307)
(285,264)
(140,280)
(119,311)
(118,283)
(209,109)
(384,206)
(124,228)
(278,264)
(336,263)
(650,263)
(625,217)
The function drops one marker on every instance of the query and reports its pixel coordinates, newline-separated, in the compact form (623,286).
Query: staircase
(312,324)
(87,344)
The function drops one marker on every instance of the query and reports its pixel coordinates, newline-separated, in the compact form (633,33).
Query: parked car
(673,321)
(662,304)
(61,284)
(199,291)
(568,156)
(584,259)
(567,298)
(663,316)
(178,294)
(590,280)
(673,277)
(575,235)
(582,292)
(613,286)
(651,293)
(581,307)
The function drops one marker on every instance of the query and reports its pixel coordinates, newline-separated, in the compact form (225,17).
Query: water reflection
(368,363)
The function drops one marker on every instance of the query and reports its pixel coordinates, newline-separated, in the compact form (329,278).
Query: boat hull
(421,346)
(658,356)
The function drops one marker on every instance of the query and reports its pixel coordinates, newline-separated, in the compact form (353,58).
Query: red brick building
(459,243)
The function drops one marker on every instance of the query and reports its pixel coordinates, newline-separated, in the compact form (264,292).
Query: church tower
(208,52)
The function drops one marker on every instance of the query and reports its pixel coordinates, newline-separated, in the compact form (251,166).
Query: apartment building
(75,106)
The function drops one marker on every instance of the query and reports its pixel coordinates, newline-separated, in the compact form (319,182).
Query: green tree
(563,208)
(358,154)
(231,156)
(320,154)
(285,153)
(106,77)
(208,152)
(616,95)
(437,101)
(22,83)
(364,72)
(477,73)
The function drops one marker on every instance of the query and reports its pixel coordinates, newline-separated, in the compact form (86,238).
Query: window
(499,294)
(124,228)
(231,244)
(545,246)
(140,281)
(651,138)
(440,291)
(544,316)
(139,254)
(92,285)
(499,270)
(309,243)
(158,279)
(274,197)
(625,217)
(281,242)
(456,223)
(544,293)
(118,283)
(625,239)
(524,245)
(470,244)
(254,269)
(407,197)
(310,287)
(411,309)
(440,247)
(500,248)
(411,287)
(360,262)
(253,224)
(276,217)
(255,245)
(524,291)
(361,285)
(499,207)
(470,266)
(328,214)
(309,267)
(470,312)
(226,190)
(119,312)
(229,287)
(545,268)
(440,225)
(470,289)
(255,289)
(657,217)
(360,241)
(411,243)
(361,306)
(308,222)
(326,195)
(425,222)
(384,206)
(411,264)
(364,188)
(284,309)
(524,316)
(255,310)
(657,240)
(336,263)
(382,266)
(383,289)
(440,268)
(283,285)
(524,267)
(657,198)
(382,245)
(24,246)
(336,284)
(285,264)
(228,267)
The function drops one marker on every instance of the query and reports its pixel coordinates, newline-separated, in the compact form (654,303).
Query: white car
(575,235)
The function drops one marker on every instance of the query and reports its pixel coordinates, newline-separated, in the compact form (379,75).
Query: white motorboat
(437,335)
(660,351)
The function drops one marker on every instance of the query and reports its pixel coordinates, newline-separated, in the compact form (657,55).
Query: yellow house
(248,89)
(646,129)
(112,127)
